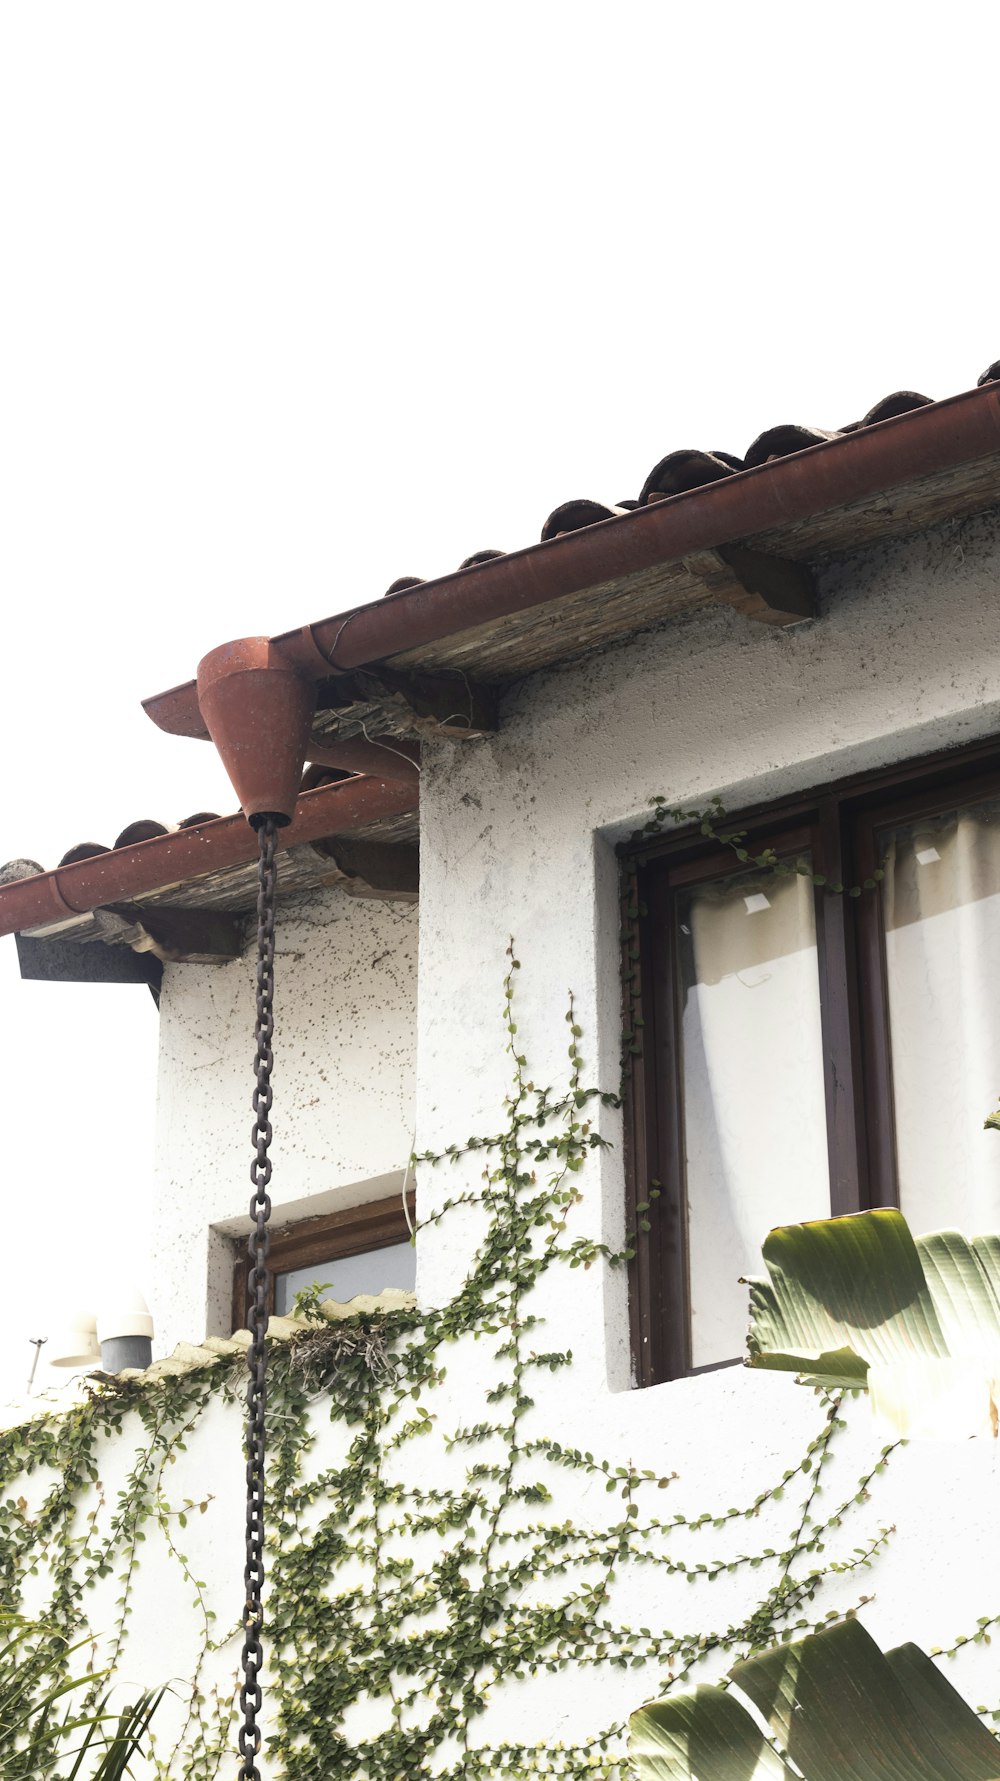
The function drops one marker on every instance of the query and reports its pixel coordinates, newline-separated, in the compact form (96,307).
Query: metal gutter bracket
(258,710)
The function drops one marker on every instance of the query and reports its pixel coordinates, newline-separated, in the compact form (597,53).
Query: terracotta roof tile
(688,468)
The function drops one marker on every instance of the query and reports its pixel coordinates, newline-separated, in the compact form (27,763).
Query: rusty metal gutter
(857,465)
(53,899)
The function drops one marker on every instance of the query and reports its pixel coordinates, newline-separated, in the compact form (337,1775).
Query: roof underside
(205,918)
(504,649)
(599,575)
(233,889)
(573,624)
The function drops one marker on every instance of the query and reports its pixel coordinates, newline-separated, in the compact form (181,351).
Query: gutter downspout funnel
(258,710)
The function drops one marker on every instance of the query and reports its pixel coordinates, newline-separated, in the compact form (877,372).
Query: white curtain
(754,1102)
(941,898)
(346,1275)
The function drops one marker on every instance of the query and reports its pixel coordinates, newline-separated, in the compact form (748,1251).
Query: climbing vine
(422,1558)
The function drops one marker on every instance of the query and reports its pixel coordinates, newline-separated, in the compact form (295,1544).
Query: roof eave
(50,902)
(851,467)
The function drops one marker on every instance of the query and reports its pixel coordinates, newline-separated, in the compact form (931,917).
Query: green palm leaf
(837,1708)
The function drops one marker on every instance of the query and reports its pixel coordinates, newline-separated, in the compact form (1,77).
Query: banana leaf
(859,1302)
(837,1709)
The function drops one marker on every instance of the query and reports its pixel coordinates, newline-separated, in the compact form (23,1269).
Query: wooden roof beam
(413,704)
(66,961)
(178,936)
(386,869)
(772,590)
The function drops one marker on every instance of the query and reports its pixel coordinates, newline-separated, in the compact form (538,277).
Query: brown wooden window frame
(840,826)
(325,1238)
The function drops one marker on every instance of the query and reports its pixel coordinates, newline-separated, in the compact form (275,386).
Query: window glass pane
(941,908)
(754,1099)
(347,1275)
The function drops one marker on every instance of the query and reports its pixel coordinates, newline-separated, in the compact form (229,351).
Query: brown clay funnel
(258,711)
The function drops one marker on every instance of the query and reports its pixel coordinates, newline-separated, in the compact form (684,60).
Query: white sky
(299,298)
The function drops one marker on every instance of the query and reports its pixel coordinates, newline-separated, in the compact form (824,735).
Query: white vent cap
(124,1314)
(75,1344)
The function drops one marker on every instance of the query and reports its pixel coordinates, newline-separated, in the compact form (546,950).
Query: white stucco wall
(728,1437)
(518,829)
(517,839)
(345,1038)
(518,832)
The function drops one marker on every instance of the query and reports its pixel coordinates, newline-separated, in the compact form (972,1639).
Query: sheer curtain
(371,1271)
(754,1101)
(941,901)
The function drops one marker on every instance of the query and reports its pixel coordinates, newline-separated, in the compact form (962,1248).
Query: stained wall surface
(518,838)
(519,828)
(345,1038)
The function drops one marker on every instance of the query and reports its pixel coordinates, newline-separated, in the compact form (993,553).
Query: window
(804,1052)
(361,1250)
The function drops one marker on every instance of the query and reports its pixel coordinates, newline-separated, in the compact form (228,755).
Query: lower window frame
(326,1237)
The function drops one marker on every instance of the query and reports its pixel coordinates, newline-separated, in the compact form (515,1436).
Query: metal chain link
(256,1397)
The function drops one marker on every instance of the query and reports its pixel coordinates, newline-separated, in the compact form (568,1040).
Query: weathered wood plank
(771,590)
(185,935)
(376,868)
(537,638)
(382,701)
(65,961)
